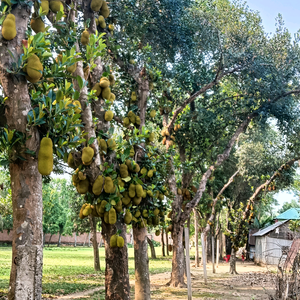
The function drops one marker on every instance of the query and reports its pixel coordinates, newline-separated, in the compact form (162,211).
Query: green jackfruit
(111,27)
(96,5)
(109,115)
(144,194)
(150,193)
(179,191)
(75,178)
(126,122)
(131,115)
(77,108)
(156,211)
(156,194)
(55,6)
(81,176)
(104,82)
(137,200)
(145,213)
(120,242)
(139,190)
(113,241)
(111,77)
(83,186)
(133,96)
(98,89)
(109,186)
(150,173)
(137,214)
(104,10)
(123,171)
(9,31)
(131,190)
(144,171)
(151,137)
(45,6)
(161,197)
(87,210)
(34,67)
(118,206)
(127,217)
(153,113)
(71,161)
(45,156)
(121,183)
(132,153)
(157,232)
(87,155)
(112,216)
(126,200)
(150,221)
(102,206)
(106,217)
(37,24)
(156,220)
(71,69)
(106,93)
(101,22)
(136,168)
(97,186)
(137,120)
(111,144)
(103,147)
(85,38)
(81,216)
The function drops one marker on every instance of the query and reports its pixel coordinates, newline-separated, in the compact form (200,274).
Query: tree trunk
(142,282)
(213,253)
(167,243)
(162,243)
(49,240)
(153,255)
(75,240)
(196,239)
(89,239)
(93,224)
(116,264)
(177,275)
(233,262)
(204,260)
(59,239)
(217,255)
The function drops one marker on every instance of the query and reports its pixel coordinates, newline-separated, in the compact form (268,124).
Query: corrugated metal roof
(269,228)
(290,214)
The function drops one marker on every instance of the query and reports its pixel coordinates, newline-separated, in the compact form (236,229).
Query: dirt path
(78,295)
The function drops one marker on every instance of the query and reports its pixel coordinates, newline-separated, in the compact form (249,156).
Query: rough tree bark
(26,181)
(116,264)
(142,282)
(162,243)
(59,239)
(232,262)
(153,255)
(167,243)
(93,225)
(196,239)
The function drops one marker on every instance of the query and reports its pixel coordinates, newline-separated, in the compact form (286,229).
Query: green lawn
(67,269)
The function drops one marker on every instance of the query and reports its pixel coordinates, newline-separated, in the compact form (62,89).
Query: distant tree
(287,205)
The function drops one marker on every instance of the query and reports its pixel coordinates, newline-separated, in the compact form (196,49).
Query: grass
(68,270)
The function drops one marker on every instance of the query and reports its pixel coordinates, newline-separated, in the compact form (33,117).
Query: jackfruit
(139,190)
(161,196)
(133,96)
(55,6)
(120,242)
(136,168)
(126,122)
(157,232)
(123,171)
(126,200)
(106,93)
(75,178)
(113,241)
(102,22)
(137,120)
(83,186)
(156,194)
(131,117)
(151,86)
(71,69)
(112,216)
(103,147)
(111,27)
(131,154)
(145,213)
(109,115)
(81,176)
(127,217)
(194,189)
(96,5)
(45,6)
(121,182)
(179,191)
(151,137)
(156,220)
(86,72)
(34,67)
(131,190)
(9,31)
(106,217)
(87,210)
(87,155)
(77,108)
(104,10)
(45,156)
(150,173)
(111,77)
(111,144)
(85,38)
(156,211)
(137,214)
(104,82)
(81,216)
(102,206)
(149,193)
(153,113)
(97,186)
(71,161)
(37,24)
(137,200)
(144,194)
(112,97)
(118,206)
(164,141)
(109,186)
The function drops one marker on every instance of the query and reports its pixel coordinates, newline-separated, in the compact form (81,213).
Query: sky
(269,10)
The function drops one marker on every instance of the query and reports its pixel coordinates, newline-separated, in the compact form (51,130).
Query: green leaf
(80,81)
(127,179)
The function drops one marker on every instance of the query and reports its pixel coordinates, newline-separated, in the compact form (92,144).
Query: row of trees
(210,73)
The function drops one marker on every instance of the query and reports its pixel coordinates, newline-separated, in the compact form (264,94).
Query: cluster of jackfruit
(116,241)
(100,5)
(105,145)
(34,69)
(81,182)
(54,5)
(103,88)
(187,194)
(9,31)
(68,102)
(45,156)
(131,118)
